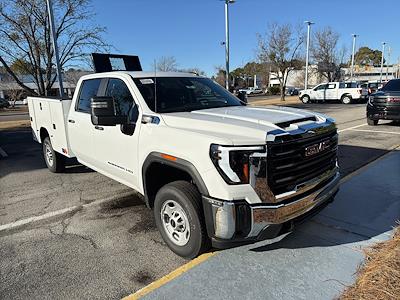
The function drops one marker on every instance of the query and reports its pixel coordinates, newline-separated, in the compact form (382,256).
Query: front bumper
(387,112)
(232,222)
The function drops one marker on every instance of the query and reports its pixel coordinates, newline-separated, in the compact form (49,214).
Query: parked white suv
(251,91)
(213,170)
(347,92)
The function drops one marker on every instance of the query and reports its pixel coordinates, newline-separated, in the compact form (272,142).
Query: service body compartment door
(32,116)
(58,135)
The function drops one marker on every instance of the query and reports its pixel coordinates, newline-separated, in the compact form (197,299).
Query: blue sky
(191,30)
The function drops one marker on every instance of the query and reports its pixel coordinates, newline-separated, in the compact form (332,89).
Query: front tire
(305,99)
(372,122)
(55,162)
(346,99)
(179,218)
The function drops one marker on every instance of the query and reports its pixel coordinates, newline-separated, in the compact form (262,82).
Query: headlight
(371,100)
(233,162)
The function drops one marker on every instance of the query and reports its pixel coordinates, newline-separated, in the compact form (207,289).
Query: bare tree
(326,54)
(25,35)
(195,70)
(167,64)
(280,47)
(219,77)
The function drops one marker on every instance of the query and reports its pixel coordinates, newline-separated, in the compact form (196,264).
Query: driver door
(116,147)
(319,92)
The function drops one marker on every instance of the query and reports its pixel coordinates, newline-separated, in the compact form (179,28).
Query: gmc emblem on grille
(316,148)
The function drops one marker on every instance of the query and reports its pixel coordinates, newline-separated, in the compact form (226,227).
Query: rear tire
(346,99)
(372,122)
(305,99)
(55,162)
(179,218)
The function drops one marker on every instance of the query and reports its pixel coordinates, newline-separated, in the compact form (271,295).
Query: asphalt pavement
(108,247)
(316,261)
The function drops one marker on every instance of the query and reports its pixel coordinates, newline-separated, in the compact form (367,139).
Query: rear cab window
(331,86)
(89,89)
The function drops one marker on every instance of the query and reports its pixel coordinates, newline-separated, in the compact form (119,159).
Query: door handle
(98,127)
(71,121)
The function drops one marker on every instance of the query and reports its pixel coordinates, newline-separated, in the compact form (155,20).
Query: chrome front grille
(294,159)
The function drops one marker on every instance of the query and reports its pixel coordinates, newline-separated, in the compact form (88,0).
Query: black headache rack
(115,62)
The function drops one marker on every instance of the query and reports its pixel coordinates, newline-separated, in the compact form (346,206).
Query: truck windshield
(179,94)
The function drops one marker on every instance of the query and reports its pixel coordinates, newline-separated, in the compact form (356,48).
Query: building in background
(8,86)
(371,73)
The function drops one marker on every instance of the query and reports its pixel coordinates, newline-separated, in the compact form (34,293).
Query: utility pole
(309,23)
(352,56)
(383,54)
(55,47)
(227,2)
(388,62)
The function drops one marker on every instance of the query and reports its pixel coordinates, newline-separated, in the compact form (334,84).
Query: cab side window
(331,86)
(89,89)
(123,100)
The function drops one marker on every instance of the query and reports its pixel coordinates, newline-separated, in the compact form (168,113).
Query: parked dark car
(4,103)
(372,87)
(385,103)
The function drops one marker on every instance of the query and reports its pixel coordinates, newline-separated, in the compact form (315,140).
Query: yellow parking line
(167,278)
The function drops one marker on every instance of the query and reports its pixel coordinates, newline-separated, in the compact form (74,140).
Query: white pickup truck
(215,172)
(347,92)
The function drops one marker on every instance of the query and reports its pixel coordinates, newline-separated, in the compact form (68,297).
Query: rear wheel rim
(48,154)
(346,100)
(175,222)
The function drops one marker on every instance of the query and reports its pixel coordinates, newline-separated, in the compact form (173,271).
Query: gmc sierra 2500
(215,171)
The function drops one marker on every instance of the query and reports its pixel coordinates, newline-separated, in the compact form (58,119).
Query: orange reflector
(169,157)
(246,172)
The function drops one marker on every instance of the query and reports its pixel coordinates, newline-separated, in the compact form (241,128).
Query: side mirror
(242,95)
(103,112)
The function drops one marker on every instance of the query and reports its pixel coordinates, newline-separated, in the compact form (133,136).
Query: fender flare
(179,163)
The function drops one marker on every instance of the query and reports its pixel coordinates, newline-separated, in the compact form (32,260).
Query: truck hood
(240,124)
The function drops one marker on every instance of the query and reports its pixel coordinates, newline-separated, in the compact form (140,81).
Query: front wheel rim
(49,154)
(175,222)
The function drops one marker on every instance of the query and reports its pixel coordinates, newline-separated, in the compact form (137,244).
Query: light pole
(53,35)
(383,53)
(309,23)
(227,2)
(388,62)
(352,56)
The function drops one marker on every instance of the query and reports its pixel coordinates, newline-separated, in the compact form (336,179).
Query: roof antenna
(155,85)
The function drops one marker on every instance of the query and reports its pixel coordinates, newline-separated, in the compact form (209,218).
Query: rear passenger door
(80,127)
(331,91)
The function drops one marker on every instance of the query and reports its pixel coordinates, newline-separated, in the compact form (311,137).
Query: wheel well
(43,134)
(347,94)
(305,95)
(157,175)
